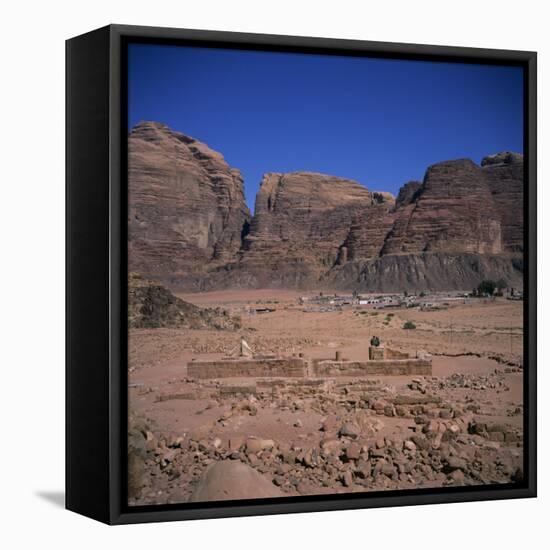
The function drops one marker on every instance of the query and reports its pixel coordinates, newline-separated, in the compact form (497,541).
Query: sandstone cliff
(190,228)
(504,174)
(408,193)
(454,211)
(186,205)
(306,223)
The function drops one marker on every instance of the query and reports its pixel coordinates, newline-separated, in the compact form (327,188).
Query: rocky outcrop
(425,271)
(186,205)
(151,305)
(408,193)
(189,226)
(454,212)
(504,175)
(368,233)
(306,223)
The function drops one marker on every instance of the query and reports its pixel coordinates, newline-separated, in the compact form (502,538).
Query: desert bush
(485,288)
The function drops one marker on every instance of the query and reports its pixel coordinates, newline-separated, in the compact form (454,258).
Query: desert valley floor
(462,425)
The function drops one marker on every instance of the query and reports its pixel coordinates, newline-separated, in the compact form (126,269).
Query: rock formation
(504,175)
(151,305)
(189,226)
(426,271)
(408,193)
(233,480)
(454,212)
(304,224)
(186,204)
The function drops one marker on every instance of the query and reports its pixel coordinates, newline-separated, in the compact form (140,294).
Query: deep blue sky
(379,122)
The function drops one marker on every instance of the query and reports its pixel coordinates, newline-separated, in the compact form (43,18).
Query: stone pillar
(377,353)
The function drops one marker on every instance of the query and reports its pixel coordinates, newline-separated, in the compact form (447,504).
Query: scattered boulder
(349,429)
(255,445)
(233,480)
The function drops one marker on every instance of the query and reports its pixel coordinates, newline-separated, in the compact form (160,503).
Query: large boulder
(233,480)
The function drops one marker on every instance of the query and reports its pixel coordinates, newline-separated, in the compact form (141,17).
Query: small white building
(368,301)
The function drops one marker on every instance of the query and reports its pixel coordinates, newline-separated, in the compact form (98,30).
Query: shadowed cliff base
(410,272)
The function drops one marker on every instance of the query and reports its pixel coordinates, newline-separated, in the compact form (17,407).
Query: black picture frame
(96,268)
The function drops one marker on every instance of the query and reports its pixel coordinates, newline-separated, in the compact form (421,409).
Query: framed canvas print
(301,274)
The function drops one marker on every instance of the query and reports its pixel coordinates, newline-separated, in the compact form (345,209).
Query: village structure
(425,301)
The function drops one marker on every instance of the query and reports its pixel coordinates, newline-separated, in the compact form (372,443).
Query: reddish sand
(158,364)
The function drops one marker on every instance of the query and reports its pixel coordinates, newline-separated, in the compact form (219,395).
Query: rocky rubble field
(277,437)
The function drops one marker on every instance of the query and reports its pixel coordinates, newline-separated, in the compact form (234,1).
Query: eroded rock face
(368,233)
(305,223)
(408,193)
(454,212)
(186,204)
(504,175)
(426,271)
(189,226)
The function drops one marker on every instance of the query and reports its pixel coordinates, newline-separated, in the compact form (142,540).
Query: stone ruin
(381,361)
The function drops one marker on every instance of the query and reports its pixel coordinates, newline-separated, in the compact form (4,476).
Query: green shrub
(409,325)
(485,288)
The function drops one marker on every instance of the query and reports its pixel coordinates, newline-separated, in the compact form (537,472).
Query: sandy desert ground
(289,437)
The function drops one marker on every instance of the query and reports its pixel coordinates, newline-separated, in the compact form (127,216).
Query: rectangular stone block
(293,367)
(396,367)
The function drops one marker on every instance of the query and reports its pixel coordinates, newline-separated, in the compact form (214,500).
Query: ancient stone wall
(296,367)
(377,353)
(360,368)
(292,367)
(395,354)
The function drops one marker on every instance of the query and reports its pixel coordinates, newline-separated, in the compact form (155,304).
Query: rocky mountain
(189,226)
(453,211)
(186,204)
(306,223)
(504,175)
(408,193)
(151,305)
